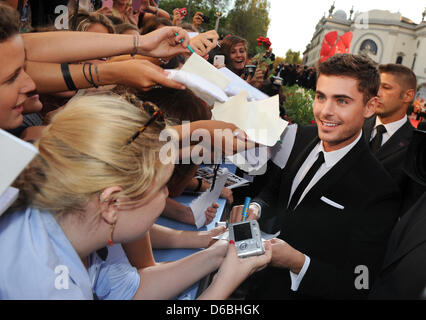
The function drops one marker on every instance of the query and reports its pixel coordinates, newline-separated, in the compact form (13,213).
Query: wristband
(67,76)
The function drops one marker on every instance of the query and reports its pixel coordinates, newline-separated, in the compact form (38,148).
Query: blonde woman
(97,184)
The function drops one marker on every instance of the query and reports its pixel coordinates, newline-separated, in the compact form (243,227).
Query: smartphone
(219,60)
(107,3)
(136,4)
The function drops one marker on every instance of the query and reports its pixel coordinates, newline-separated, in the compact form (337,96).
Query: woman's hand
(140,74)
(197,20)
(211,213)
(177,17)
(257,79)
(164,42)
(233,271)
(204,42)
(227,194)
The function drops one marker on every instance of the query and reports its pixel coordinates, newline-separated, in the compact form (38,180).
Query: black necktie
(376,142)
(304,183)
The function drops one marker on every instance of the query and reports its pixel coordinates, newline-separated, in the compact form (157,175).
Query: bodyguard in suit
(389,132)
(403,273)
(336,205)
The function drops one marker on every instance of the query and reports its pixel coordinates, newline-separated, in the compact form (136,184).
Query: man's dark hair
(9,22)
(358,67)
(405,76)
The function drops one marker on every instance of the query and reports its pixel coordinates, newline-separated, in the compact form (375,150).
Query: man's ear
(408,95)
(370,107)
(108,204)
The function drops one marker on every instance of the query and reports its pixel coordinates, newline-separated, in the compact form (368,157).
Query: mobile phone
(249,70)
(136,4)
(219,60)
(107,3)
(246,236)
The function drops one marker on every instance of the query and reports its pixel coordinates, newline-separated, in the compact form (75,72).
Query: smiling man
(15,83)
(335,204)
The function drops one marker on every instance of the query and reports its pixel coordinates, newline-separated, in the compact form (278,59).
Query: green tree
(249,19)
(208,7)
(293,57)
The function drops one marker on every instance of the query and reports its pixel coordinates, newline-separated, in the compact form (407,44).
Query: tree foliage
(293,57)
(247,18)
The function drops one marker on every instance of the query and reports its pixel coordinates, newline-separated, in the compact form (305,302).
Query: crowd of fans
(94,102)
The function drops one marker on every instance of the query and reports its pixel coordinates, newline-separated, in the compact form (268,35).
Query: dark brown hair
(405,76)
(358,67)
(9,22)
(227,44)
(154,23)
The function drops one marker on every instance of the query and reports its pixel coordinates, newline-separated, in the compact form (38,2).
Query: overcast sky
(293,23)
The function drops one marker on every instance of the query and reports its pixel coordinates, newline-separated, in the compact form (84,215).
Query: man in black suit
(335,204)
(389,132)
(403,273)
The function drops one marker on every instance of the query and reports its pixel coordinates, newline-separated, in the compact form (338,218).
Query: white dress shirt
(330,159)
(391,128)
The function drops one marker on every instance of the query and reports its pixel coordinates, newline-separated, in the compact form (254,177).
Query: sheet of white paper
(236,85)
(251,160)
(281,151)
(8,198)
(15,156)
(204,89)
(260,120)
(206,199)
(201,67)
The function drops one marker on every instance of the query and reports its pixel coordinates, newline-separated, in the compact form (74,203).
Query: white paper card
(15,156)
(260,120)
(204,89)
(236,85)
(8,198)
(201,67)
(207,198)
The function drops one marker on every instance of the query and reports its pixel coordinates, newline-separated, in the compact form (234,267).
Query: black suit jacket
(403,274)
(337,241)
(392,154)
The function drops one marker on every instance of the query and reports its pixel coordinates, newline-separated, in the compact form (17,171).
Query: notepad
(15,156)
(207,198)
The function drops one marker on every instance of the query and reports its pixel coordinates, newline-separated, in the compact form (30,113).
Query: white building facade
(384,36)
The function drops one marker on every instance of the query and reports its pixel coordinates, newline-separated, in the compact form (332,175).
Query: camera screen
(242,232)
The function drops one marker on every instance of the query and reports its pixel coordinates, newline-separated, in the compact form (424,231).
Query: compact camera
(246,236)
(183,12)
(206,19)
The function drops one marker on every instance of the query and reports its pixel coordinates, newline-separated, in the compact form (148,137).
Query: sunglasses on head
(157,114)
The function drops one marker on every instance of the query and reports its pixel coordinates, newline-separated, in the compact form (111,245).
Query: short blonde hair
(83,151)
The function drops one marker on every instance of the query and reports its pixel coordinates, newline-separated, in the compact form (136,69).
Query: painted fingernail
(231,242)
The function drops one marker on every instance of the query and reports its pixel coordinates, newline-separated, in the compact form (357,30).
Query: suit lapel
(411,228)
(294,168)
(399,140)
(368,128)
(331,178)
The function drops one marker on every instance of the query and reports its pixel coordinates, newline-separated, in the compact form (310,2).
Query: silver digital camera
(246,236)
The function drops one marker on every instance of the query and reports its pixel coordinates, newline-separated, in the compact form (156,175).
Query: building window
(399,60)
(414,61)
(368,47)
